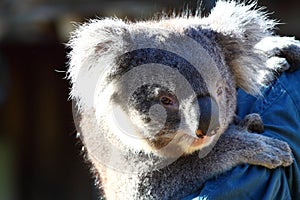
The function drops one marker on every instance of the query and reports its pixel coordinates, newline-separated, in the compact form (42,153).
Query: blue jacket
(280,111)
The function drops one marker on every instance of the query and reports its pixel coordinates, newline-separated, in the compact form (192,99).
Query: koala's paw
(251,123)
(256,149)
(272,153)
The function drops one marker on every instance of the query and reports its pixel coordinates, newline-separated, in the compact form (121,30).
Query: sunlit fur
(228,37)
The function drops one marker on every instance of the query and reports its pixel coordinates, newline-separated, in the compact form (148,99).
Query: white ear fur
(239,28)
(94,45)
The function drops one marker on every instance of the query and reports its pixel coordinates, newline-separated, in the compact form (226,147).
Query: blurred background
(40,157)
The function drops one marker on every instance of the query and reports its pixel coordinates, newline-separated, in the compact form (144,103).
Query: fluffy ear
(239,27)
(94,45)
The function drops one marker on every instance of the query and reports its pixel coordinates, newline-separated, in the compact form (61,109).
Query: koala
(154,101)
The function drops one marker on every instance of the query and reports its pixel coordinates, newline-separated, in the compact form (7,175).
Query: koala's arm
(236,146)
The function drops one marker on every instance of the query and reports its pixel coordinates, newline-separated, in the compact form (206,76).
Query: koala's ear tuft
(94,46)
(238,28)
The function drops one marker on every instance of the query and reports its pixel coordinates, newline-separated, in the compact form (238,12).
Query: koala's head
(167,86)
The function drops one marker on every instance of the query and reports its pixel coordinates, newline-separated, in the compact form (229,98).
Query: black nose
(209,117)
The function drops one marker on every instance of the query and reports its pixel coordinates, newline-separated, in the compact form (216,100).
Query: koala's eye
(167,101)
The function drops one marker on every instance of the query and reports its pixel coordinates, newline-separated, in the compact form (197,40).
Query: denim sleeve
(280,111)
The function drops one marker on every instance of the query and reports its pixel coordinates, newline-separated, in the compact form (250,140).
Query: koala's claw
(251,123)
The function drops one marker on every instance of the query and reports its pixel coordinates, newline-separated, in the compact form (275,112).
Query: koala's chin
(180,144)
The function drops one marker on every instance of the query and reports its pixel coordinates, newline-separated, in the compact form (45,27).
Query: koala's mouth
(198,144)
(181,141)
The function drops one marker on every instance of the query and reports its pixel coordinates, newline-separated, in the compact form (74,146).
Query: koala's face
(189,124)
(172,107)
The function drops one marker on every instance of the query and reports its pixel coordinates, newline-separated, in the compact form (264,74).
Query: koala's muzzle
(209,117)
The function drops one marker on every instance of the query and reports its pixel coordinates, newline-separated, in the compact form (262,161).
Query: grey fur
(188,173)
(227,39)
